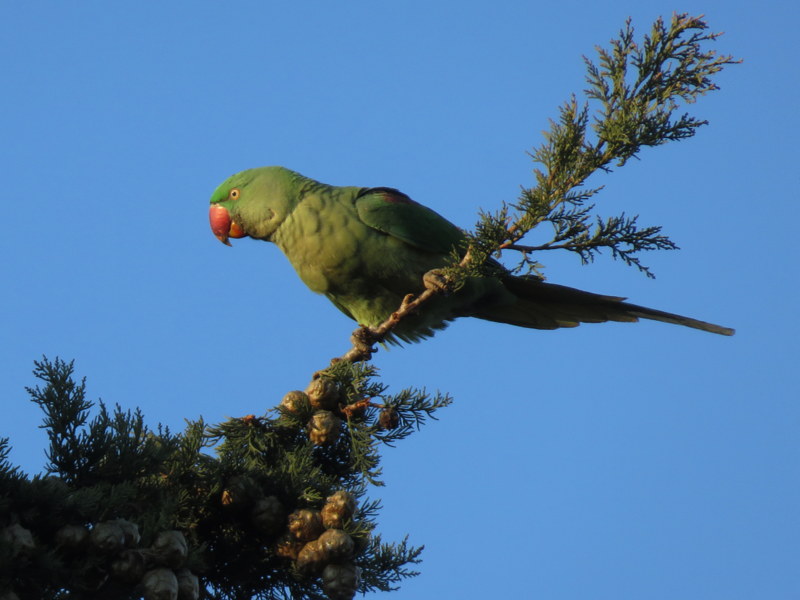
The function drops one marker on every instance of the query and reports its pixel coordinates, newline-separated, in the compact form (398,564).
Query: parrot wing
(392,212)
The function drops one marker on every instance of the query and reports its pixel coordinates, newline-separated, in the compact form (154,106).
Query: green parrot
(366,248)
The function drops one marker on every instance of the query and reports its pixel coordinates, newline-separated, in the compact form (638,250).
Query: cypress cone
(323,429)
(337,545)
(160,584)
(312,558)
(108,537)
(129,566)
(340,582)
(188,585)
(338,508)
(20,540)
(305,524)
(295,401)
(170,548)
(323,393)
(72,537)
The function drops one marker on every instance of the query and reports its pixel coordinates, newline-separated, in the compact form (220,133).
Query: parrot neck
(309,187)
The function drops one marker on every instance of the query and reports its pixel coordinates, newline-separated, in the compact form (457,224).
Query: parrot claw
(437,280)
(362,340)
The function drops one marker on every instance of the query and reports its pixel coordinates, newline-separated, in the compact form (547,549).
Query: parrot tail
(543,305)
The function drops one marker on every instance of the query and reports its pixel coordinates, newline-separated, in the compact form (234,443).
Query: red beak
(222,225)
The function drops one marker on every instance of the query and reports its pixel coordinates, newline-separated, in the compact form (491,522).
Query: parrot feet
(362,339)
(437,280)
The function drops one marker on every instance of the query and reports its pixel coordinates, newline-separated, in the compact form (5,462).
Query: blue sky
(609,461)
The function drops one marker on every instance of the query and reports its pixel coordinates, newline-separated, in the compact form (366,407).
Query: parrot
(367,248)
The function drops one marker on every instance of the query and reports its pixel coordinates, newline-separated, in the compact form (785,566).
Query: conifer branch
(254,507)
(634,90)
(388,558)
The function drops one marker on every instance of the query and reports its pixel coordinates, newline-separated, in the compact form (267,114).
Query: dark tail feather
(659,315)
(550,306)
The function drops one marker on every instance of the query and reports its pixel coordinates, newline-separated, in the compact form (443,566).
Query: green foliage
(411,407)
(228,488)
(8,472)
(633,92)
(109,448)
(389,558)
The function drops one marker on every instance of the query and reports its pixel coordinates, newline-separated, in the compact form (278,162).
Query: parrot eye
(233,194)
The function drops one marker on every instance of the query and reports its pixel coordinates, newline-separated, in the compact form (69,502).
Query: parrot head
(252,203)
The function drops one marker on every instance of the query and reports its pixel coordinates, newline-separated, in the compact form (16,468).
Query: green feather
(392,212)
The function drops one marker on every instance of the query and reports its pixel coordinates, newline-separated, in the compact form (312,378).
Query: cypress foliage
(633,94)
(255,507)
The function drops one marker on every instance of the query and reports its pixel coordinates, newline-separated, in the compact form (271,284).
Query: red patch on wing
(396,197)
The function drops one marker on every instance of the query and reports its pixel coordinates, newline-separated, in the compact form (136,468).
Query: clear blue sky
(610,461)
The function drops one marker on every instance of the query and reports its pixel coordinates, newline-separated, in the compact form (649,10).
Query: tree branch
(636,87)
